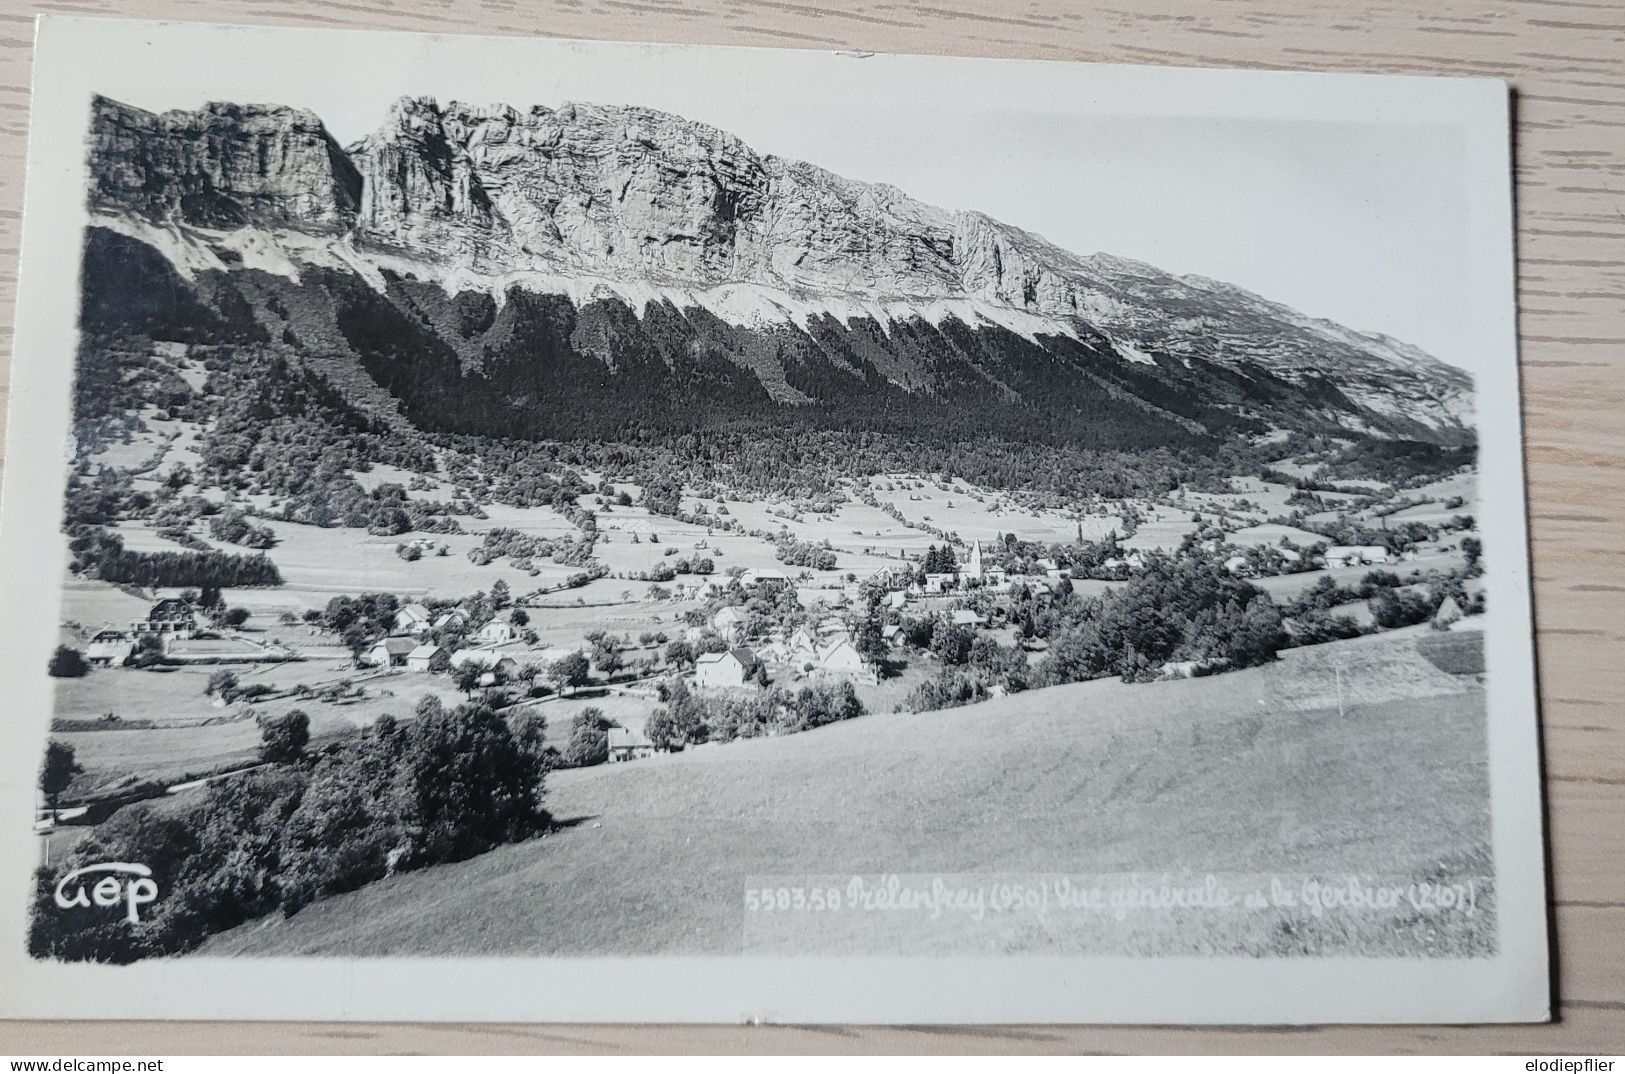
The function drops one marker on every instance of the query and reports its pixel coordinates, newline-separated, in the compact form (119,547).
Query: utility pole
(1338,671)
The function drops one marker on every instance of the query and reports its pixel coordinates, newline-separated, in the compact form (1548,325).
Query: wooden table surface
(1566,62)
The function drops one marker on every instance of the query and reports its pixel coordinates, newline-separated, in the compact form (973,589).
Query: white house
(170,617)
(412,619)
(496,632)
(389,653)
(801,646)
(730,622)
(896,599)
(628,745)
(428,658)
(759,575)
(489,659)
(843,659)
(939,581)
(1353,555)
(893,634)
(1238,565)
(456,618)
(728,668)
(109,648)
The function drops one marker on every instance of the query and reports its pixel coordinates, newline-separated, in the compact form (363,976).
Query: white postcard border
(76,56)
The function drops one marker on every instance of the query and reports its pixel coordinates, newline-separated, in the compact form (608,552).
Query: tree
(235,617)
(468,676)
(222,684)
(465,784)
(588,743)
(519,618)
(680,722)
(283,738)
(1401,608)
(58,772)
(606,654)
(67,663)
(869,641)
(1473,549)
(569,671)
(500,595)
(951,644)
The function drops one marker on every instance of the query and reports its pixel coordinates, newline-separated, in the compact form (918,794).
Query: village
(884,632)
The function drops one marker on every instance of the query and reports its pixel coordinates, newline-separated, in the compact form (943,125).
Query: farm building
(802,645)
(730,622)
(389,653)
(496,632)
(172,616)
(967,617)
(730,668)
(412,619)
(489,659)
(109,649)
(455,619)
(760,575)
(628,745)
(1354,555)
(893,635)
(844,660)
(428,658)
(1239,566)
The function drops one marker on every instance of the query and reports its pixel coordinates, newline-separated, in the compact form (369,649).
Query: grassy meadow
(1249,774)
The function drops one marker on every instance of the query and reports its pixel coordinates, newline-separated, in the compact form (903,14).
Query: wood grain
(1566,61)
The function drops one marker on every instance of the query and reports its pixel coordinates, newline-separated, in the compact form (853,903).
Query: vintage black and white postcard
(521,529)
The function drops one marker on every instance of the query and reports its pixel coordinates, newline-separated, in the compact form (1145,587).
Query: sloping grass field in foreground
(1248,774)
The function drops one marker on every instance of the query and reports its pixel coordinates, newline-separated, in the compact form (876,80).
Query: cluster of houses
(182,637)
(825,649)
(172,618)
(169,619)
(410,644)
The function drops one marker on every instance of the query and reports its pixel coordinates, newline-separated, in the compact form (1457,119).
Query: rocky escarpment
(617,191)
(223,166)
(591,200)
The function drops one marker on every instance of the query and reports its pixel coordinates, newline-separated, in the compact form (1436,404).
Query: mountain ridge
(637,205)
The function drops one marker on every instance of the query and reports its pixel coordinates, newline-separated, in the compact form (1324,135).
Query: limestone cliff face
(223,166)
(649,203)
(619,191)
